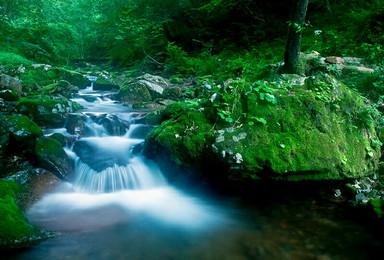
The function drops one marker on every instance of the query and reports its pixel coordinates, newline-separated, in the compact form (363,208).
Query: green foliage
(13,224)
(11,60)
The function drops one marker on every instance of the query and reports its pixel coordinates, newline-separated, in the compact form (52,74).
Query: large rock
(75,124)
(47,110)
(145,88)
(18,132)
(155,84)
(18,136)
(100,159)
(62,88)
(134,93)
(319,131)
(112,124)
(52,157)
(38,75)
(10,83)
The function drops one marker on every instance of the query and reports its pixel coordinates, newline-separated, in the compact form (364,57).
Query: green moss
(12,60)
(22,130)
(318,131)
(45,109)
(378,207)
(9,95)
(304,138)
(134,93)
(13,224)
(184,135)
(51,156)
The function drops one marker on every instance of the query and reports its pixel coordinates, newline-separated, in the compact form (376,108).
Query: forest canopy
(187,36)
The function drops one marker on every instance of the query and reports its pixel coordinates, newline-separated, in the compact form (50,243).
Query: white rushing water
(113,181)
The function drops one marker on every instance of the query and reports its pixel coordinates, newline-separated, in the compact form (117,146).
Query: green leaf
(261,120)
(229,119)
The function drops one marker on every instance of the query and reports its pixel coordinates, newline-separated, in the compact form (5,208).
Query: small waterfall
(106,163)
(92,79)
(107,152)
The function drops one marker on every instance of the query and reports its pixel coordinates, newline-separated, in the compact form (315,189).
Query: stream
(120,206)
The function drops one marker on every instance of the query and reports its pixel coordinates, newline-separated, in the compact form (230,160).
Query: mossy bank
(313,128)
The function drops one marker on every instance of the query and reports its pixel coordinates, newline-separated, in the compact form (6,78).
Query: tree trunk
(292,50)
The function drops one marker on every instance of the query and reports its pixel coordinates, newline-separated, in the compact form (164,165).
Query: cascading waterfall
(105,163)
(112,178)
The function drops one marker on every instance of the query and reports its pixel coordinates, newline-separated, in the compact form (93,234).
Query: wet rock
(155,84)
(35,183)
(99,159)
(47,110)
(173,92)
(112,124)
(63,88)
(134,93)
(52,157)
(18,132)
(75,124)
(60,138)
(10,83)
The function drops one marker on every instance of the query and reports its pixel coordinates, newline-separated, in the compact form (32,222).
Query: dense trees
(179,33)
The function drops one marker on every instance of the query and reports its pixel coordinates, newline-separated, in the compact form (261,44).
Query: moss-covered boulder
(18,135)
(14,228)
(319,131)
(47,110)
(10,83)
(63,88)
(38,75)
(18,131)
(184,138)
(9,95)
(134,93)
(52,157)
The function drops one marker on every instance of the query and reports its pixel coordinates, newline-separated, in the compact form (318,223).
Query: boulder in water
(75,124)
(98,159)
(62,88)
(52,157)
(133,93)
(18,131)
(319,131)
(112,124)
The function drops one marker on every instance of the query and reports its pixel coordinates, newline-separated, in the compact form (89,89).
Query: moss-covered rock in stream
(18,132)
(63,88)
(18,136)
(319,131)
(37,76)
(52,157)
(14,227)
(184,137)
(134,93)
(47,110)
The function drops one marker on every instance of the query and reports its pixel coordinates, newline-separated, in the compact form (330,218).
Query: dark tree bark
(292,50)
